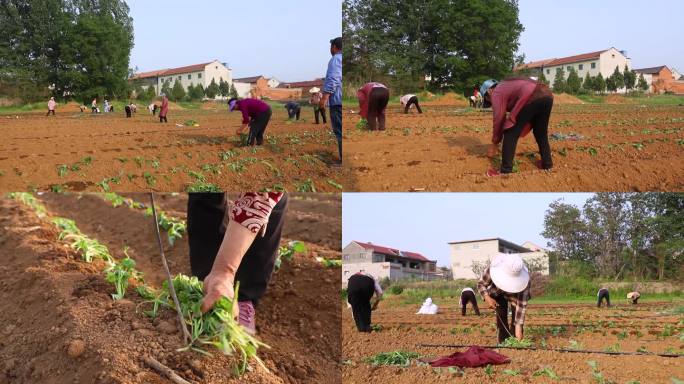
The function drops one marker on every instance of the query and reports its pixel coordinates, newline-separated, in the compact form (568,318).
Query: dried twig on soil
(186,334)
(164,370)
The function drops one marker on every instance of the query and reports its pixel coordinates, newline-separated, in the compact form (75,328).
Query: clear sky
(426,222)
(289,40)
(650,31)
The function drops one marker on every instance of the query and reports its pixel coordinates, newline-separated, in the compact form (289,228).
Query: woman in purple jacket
(255,114)
(520,105)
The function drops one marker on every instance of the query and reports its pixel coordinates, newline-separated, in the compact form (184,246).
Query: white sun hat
(314,90)
(509,273)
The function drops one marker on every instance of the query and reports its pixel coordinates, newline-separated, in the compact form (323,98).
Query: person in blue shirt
(332,91)
(293,109)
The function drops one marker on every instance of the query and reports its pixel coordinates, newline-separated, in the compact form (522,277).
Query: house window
(559,69)
(569,67)
(180,78)
(548,71)
(345,257)
(199,75)
(581,67)
(476,246)
(593,65)
(190,77)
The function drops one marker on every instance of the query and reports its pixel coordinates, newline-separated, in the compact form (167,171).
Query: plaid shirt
(517,300)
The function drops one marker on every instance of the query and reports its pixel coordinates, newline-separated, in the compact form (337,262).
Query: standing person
(360,289)
(332,91)
(603,294)
(468,296)
(634,296)
(164,110)
(127,108)
(106,106)
(506,281)
(93,105)
(314,100)
(255,114)
(293,110)
(52,104)
(235,243)
(407,101)
(373,99)
(520,105)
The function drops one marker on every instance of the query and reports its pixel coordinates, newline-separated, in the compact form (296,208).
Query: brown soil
(450,98)
(619,99)
(564,98)
(403,330)
(59,324)
(33,146)
(445,149)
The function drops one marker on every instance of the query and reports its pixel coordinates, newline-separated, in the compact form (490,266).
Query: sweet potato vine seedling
(398,358)
(513,342)
(175,228)
(597,375)
(31,201)
(547,371)
(287,252)
(120,272)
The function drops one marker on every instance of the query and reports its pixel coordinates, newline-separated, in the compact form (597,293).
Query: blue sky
(651,32)
(426,222)
(285,39)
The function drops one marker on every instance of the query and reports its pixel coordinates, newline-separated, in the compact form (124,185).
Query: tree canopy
(453,43)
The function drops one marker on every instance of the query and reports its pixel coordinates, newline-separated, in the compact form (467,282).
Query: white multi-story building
(465,253)
(202,74)
(384,262)
(593,63)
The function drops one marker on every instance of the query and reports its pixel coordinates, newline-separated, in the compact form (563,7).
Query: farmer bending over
(407,101)
(293,109)
(506,281)
(255,114)
(528,104)
(93,106)
(52,104)
(360,289)
(634,296)
(468,296)
(235,243)
(164,110)
(428,308)
(603,294)
(373,99)
(315,100)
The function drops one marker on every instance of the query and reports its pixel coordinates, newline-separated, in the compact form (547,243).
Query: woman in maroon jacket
(373,99)
(528,104)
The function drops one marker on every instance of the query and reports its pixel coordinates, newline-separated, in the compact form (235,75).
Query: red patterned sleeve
(252,209)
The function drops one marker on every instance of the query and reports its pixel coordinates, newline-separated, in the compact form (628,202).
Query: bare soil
(60,325)
(623,148)
(592,328)
(142,154)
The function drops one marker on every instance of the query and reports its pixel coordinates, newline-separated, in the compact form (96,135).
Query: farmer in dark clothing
(407,101)
(373,99)
(315,100)
(255,114)
(293,109)
(231,243)
(506,281)
(360,289)
(603,294)
(520,105)
(332,91)
(468,296)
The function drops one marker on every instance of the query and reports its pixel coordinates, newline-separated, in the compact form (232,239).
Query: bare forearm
(519,332)
(235,244)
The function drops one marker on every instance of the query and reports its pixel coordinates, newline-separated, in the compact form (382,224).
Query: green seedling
(396,358)
(597,375)
(57,188)
(89,249)
(175,228)
(62,170)
(229,154)
(287,252)
(511,372)
(548,372)
(668,330)
(513,342)
(376,327)
(272,167)
(575,345)
(362,124)
(150,179)
(642,349)
(489,371)
(306,186)
(329,263)
(638,146)
(613,348)
(213,168)
(139,160)
(334,184)
(119,273)
(592,151)
(114,199)
(622,335)
(200,186)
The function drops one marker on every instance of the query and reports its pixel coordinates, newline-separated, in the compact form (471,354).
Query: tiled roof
(145,75)
(250,80)
(302,84)
(577,58)
(651,70)
(534,64)
(171,71)
(393,252)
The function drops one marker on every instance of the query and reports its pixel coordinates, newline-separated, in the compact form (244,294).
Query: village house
(479,252)
(661,80)
(202,74)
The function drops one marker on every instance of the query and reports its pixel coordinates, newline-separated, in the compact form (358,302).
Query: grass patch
(396,358)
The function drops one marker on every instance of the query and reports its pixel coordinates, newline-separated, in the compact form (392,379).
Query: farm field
(622,328)
(60,324)
(84,152)
(621,147)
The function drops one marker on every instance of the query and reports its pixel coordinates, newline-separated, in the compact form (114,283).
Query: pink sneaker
(493,172)
(246,317)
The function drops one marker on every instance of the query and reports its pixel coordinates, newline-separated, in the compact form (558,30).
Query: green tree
(618,78)
(643,84)
(177,92)
(166,88)
(588,84)
(559,83)
(574,83)
(212,90)
(233,91)
(611,85)
(543,79)
(224,88)
(630,78)
(196,92)
(599,84)
(150,93)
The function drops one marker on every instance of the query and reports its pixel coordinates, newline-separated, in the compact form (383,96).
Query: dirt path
(624,148)
(51,298)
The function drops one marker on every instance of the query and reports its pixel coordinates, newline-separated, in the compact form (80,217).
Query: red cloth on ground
(473,357)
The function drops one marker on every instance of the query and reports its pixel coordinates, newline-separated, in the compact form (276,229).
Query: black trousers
(50,111)
(162,119)
(360,290)
(537,113)
(504,329)
(294,112)
(257,127)
(469,297)
(93,109)
(320,111)
(207,222)
(377,102)
(603,294)
(412,101)
(128,111)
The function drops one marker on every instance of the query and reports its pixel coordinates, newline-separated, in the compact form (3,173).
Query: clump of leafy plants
(597,375)
(287,252)
(88,248)
(362,124)
(574,345)
(306,186)
(215,328)
(548,372)
(119,273)
(376,327)
(514,342)
(30,200)
(175,228)
(329,263)
(398,358)
(511,372)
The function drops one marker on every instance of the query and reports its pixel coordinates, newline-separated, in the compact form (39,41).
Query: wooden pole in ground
(551,349)
(186,335)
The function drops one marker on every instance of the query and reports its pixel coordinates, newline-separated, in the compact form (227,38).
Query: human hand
(217,285)
(374,306)
(324,100)
(491,302)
